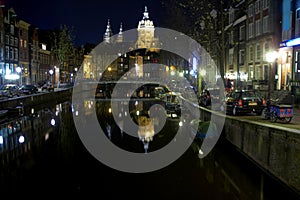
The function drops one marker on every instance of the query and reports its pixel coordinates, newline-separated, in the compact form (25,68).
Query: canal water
(41,152)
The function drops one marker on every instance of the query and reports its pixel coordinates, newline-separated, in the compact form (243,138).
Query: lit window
(258,52)
(298,14)
(266,24)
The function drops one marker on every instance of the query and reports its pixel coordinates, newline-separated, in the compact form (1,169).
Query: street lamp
(51,73)
(201,81)
(271,58)
(19,71)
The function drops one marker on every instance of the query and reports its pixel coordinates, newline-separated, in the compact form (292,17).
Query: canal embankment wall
(37,99)
(276,149)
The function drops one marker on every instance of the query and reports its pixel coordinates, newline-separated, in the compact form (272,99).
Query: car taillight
(240,103)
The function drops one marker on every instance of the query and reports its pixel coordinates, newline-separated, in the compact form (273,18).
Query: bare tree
(206,24)
(62,47)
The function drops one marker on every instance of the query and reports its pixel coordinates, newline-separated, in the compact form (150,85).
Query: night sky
(88,17)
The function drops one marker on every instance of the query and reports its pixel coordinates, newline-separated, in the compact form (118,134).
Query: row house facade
(260,27)
(19,49)
(254,30)
(10,43)
(24,49)
(25,54)
(289,52)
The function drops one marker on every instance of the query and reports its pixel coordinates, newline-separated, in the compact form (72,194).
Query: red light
(240,103)
(263,102)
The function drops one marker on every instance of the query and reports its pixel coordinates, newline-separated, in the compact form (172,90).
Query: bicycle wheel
(264,114)
(273,117)
(288,119)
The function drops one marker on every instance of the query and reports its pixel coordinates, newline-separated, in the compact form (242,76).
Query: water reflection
(51,158)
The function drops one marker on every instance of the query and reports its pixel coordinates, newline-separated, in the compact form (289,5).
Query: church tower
(120,35)
(145,32)
(108,33)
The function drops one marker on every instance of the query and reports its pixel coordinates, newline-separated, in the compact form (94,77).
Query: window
(21,43)
(231,58)
(231,15)
(6,53)
(267,47)
(11,55)
(16,54)
(11,40)
(231,37)
(258,72)
(266,24)
(242,32)
(250,10)
(298,14)
(241,56)
(251,30)
(258,27)
(257,7)
(265,4)
(251,53)
(258,52)
(25,44)
(12,29)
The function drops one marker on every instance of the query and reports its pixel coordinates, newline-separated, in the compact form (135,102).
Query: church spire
(108,33)
(120,35)
(146,14)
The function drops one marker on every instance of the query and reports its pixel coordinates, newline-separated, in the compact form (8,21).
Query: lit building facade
(2,46)
(263,36)
(11,46)
(146,51)
(24,48)
(34,55)
(236,70)
(289,51)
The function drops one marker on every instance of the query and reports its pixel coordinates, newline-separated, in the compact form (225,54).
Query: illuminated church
(144,50)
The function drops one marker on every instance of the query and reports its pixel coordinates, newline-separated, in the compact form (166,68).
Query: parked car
(47,87)
(29,89)
(9,90)
(244,101)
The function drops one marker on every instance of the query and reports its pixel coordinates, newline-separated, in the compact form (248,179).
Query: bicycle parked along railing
(275,111)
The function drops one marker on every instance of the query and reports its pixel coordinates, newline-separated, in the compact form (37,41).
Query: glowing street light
(271,58)
(51,73)
(19,71)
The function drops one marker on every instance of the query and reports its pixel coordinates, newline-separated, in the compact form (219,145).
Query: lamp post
(201,81)
(19,71)
(271,58)
(51,73)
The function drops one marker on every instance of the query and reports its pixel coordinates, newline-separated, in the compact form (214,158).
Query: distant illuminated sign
(293,42)
(12,76)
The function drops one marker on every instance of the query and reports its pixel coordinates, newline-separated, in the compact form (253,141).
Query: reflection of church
(142,51)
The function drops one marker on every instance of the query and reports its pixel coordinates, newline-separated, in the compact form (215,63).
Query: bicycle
(275,111)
